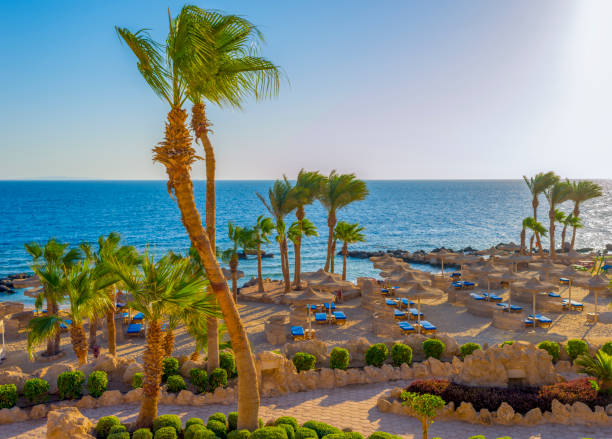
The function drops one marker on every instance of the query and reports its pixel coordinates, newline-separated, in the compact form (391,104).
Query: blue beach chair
(428,328)
(390,302)
(138,317)
(134,329)
(468,285)
(414,313)
(339,317)
(553,294)
(513,308)
(65,326)
(477,296)
(399,315)
(321,317)
(406,327)
(492,297)
(573,305)
(297,332)
(333,306)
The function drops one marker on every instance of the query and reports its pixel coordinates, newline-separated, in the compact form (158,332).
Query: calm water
(410,215)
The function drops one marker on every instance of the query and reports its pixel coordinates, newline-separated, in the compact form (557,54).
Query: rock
(133,396)
(374,374)
(39,411)
(485,417)
(406,372)
(505,414)
(560,412)
(110,397)
(599,415)
(315,347)
(452,347)
(200,399)
(327,379)
(341,377)
(563,366)
(465,412)
(68,423)
(308,379)
(15,414)
(87,402)
(357,349)
(581,413)
(130,371)
(114,366)
(185,367)
(383,405)
(277,374)
(355,376)
(437,369)
(609,410)
(415,341)
(419,370)
(185,397)
(166,398)
(533,416)
(14,375)
(51,373)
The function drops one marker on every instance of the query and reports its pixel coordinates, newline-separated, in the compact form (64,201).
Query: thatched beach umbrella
(516,259)
(595,283)
(547,266)
(571,275)
(535,286)
(487,270)
(463,259)
(421,291)
(442,255)
(411,278)
(330,282)
(573,256)
(309,297)
(508,277)
(398,271)
(319,275)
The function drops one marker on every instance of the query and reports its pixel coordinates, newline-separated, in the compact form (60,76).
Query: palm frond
(41,329)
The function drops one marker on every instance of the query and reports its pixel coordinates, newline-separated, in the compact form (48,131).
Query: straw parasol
(441,255)
(488,270)
(309,297)
(516,259)
(547,266)
(570,274)
(535,286)
(595,284)
(227,273)
(421,291)
(410,278)
(330,282)
(507,277)
(318,275)
(464,259)
(572,256)
(398,271)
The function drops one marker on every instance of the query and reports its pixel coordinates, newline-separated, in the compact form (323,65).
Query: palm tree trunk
(331,223)
(551,231)
(285,264)
(51,340)
(234,268)
(93,331)
(344,254)
(297,245)
(111,329)
(534,204)
(333,257)
(260,284)
(152,363)
(576,213)
(523,232)
(79,341)
(168,342)
(531,245)
(563,232)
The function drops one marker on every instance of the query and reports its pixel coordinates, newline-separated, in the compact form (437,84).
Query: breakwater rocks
(9,284)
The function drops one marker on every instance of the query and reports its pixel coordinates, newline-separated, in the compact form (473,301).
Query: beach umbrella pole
(309,320)
(419,312)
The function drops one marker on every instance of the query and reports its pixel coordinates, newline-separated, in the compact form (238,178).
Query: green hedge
(607,347)
(163,421)
(218,417)
(217,378)
(339,358)
(269,433)
(321,428)
(232,421)
(142,433)
(304,361)
(70,384)
(227,361)
(400,354)
(197,431)
(137,380)
(97,382)
(105,424)
(175,383)
(239,434)
(219,428)
(193,421)
(119,435)
(576,347)
(170,366)
(305,433)
(8,396)
(199,378)
(433,348)
(382,435)
(36,390)
(552,347)
(166,433)
(288,420)
(376,354)
(468,349)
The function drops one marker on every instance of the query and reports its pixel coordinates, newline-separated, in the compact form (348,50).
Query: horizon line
(80,179)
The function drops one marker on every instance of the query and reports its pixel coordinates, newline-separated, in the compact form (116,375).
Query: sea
(409,215)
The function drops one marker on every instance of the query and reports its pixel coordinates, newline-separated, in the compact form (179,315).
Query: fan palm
(297,230)
(241,238)
(280,203)
(49,262)
(531,224)
(262,229)
(580,192)
(555,194)
(599,367)
(348,234)
(570,221)
(337,192)
(537,185)
(156,63)
(306,190)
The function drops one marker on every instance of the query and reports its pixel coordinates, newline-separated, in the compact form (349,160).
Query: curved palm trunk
(79,342)
(179,179)
(523,232)
(234,268)
(576,213)
(551,231)
(287,272)
(333,257)
(260,284)
(331,223)
(534,204)
(344,254)
(297,246)
(200,124)
(152,363)
(563,234)
(168,342)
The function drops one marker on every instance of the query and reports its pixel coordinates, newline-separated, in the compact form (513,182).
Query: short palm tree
(306,190)
(298,230)
(160,289)
(537,185)
(48,263)
(337,192)
(580,192)
(531,224)
(261,231)
(570,221)
(599,367)
(555,194)
(347,234)
(280,203)
(241,238)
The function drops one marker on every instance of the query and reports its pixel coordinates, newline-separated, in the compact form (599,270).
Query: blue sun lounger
(297,332)
(427,327)
(384,291)
(492,297)
(406,327)
(563,281)
(606,267)
(414,313)
(541,320)
(477,296)
(134,329)
(390,302)
(577,306)
(513,308)
(455,274)
(457,285)
(321,317)
(407,302)
(137,317)
(339,317)
(64,326)
(399,315)
(467,284)
(553,294)
(333,306)
(312,307)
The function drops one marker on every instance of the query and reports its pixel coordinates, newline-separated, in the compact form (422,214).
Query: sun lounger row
(337,317)
(486,297)
(539,320)
(573,305)
(412,312)
(511,308)
(426,327)
(460,285)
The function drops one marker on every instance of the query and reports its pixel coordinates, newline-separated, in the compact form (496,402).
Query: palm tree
(49,262)
(530,224)
(157,65)
(241,238)
(570,221)
(306,190)
(93,321)
(297,230)
(580,192)
(555,194)
(159,289)
(262,229)
(537,185)
(280,203)
(348,234)
(560,217)
(599,367)
(337,192)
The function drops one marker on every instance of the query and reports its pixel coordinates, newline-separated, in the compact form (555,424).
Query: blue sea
(408,215)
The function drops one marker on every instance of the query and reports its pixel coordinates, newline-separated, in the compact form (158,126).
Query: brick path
(351,406)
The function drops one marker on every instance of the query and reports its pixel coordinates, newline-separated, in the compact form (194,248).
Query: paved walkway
(351,406)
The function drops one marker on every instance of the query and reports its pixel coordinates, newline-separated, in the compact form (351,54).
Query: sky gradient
(388,90)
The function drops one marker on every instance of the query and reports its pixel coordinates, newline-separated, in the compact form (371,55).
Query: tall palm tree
(157,65)
(49,262)
(580,192)
(348,234)
(161,289)
(280,203)
(297,230)
(306,190)
(570,221)
(530,224)
(337,192)
(93,321)
(537,185)
(555,194)
(225,71)
(261,231)
(241,238)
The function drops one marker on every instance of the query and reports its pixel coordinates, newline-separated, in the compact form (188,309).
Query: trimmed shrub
(304,361)
(163,421)
(97,381)
(400,354)
(217,427)
(433,348)
(197,431)
(218,417)
(8,396)
(607,347)
(376,354)
(175,383)
(339,358)
(507,343)
(227,361)
(70,384)
(468,348)
(345,435)
(36,390)
(105,424)
(382,435)
(289,430)
(478,436)
(239,434)
(142,433)
(305,433)
(117,429)
(217,378)
(170,366)
(552,347)
(119,435)
(576,347)
(321,428)
(193,421)
(232,421)
(166,433)
(199,378)
(269,433)
(288,420)
(137,380)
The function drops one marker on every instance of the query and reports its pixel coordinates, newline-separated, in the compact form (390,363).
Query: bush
(433,348)
(287,420)
(8,396)
(175,383)
(97,381)
(166,433)
(218,417)
(227,361)
(321,428)
(239,434)
(119,435)
(305,433)
(382,435)
(142,433)
(232,421)
(269,433)
(289,430)
(163,421)
(507,343)
(70,384)
(552,347)
(345,435)
(137,380)
(217,378)
(607,347)
(576,347)
(478,436)
(199,378)
(339,358)
(197,431)
(36,390)
(193,421)
(304,361)
(105,424)
(217,427)
(376,354)
(170,366)
(400,354)
(468,348)
(117,429)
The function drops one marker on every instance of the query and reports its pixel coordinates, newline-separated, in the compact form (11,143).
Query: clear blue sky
(386,89)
